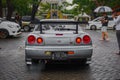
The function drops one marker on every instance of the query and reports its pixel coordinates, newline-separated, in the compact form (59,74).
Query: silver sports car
(58,40)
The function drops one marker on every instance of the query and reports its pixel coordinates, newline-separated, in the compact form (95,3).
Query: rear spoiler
(70,22)
(62,22)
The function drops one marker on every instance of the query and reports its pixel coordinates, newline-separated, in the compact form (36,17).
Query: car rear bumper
(39,52)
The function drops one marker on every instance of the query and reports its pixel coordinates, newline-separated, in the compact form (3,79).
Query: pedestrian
(104,21)
(18,19)
(116,17)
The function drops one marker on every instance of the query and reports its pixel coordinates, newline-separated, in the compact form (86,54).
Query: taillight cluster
(78,40)
(39,40)
(86,39)
(32,39)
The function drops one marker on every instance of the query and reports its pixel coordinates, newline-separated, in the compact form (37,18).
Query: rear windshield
(57,27)
(26,18)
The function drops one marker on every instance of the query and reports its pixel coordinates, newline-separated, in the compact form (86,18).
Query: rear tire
(93,27)
(26,28)
(3,34)
(83,61)
(35,61)
(80,61)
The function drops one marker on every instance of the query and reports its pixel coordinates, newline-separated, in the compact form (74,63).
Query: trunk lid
(59,38)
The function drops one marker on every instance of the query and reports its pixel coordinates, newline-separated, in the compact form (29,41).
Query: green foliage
(76,1)
(84,5)
(45,7)
(112,3)
(89,5)
(4,3)
(23,7)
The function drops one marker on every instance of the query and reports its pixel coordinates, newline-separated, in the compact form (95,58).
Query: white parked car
(96,23)
(8,28)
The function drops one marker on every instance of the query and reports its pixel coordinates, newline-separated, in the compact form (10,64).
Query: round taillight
(78,40)
(86,39)
(39,40)
(31,39)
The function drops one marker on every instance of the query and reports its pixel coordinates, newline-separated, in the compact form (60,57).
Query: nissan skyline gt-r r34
(58,40)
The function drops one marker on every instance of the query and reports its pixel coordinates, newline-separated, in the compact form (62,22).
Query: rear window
(26,18)
(57,27)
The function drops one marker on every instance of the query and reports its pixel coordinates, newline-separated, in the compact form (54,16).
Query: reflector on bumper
(70,52)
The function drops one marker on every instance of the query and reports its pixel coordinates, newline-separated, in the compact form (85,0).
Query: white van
(96,23)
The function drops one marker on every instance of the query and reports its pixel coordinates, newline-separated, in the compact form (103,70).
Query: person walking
(17,17)
(104,22)
(116,17)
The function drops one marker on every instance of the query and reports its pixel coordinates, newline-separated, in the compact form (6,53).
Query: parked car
(96,23)
(58,40)
(8,28)
(27,24)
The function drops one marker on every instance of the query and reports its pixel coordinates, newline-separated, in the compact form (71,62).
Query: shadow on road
(66,67)
(57,67)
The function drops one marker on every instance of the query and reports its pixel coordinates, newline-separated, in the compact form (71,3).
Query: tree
(64,5)
(35,8)
(1,13)
(10,9)
(20,6)
(23,7)
(45,7)
(84,5)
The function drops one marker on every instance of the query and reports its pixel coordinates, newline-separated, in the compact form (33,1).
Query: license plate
(59,56)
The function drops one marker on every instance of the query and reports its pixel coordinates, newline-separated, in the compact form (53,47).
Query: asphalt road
(105,65)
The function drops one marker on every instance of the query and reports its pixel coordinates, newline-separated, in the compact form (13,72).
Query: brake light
(39,40)
(78,40)
(31,39)
(86,39)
